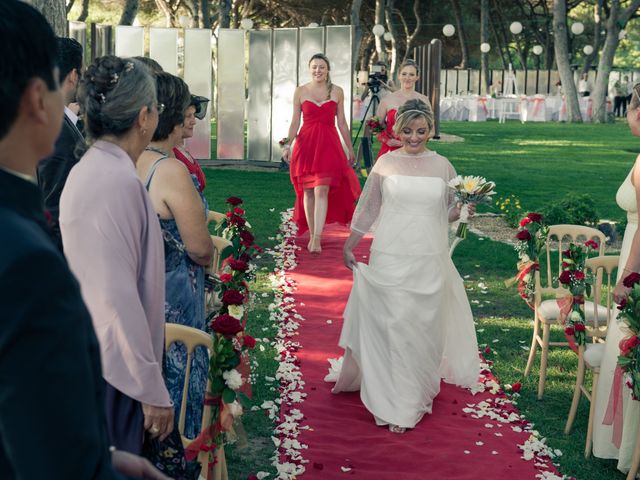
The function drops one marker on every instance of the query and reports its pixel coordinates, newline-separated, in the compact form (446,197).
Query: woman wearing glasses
(181,207)
(113,243)
(606,442)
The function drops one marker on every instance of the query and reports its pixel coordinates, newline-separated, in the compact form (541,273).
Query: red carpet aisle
(466,437)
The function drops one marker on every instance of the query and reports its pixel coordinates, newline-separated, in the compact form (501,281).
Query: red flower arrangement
(375,125)
(629,358)
(532,237)
(578,283)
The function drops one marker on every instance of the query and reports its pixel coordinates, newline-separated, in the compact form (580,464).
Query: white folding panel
(163,48)
(197,74)
(259,99)
(129,41)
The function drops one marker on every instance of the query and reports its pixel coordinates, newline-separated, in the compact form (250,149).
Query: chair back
(191,338)
(219,244)
(215,217)
(564,235)
(603,268)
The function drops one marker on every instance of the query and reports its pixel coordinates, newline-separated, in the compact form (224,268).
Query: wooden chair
(211,300)
(546,312)
(215,217)
(590,355)
(192,338)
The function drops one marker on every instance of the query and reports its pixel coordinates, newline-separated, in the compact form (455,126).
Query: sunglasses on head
(201,106)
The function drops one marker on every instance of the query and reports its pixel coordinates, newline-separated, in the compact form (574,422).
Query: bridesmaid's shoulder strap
(152,171)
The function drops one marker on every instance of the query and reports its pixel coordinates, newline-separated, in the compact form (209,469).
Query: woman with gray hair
(408,322)
(114,245)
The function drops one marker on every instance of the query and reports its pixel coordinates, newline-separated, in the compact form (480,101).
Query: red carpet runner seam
(470,434)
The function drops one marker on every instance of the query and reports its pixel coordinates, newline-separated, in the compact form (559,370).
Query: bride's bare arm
(347,252)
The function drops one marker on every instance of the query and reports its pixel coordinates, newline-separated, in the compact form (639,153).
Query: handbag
(168,457)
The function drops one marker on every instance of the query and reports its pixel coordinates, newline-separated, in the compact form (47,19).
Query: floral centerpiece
(629,358)
(228,366)
(531,239)
(470,189)
(574,278)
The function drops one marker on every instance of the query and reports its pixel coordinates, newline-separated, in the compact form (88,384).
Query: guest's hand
(620,293)
(349,259)
(158,421)
(393,142)
(134,466)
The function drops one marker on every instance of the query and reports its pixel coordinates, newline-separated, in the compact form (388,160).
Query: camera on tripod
(377,78)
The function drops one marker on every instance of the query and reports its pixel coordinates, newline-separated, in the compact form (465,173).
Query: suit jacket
(51,389)
(54,170)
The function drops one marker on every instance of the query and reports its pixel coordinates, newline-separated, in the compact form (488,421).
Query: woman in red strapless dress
(407,76)
(322,175)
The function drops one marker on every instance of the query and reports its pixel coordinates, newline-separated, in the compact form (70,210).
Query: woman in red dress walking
(407,77)
(322,175)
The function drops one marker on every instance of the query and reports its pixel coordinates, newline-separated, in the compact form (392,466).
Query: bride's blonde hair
(320,56)
(410,111)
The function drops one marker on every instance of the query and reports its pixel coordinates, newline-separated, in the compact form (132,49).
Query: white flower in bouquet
(575,317)
(236,311)
(470,189)
(233,379)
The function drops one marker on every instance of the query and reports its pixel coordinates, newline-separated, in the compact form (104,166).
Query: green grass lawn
(540,163)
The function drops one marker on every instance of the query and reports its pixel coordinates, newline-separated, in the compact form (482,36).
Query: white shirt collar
(23,176)
(70,115)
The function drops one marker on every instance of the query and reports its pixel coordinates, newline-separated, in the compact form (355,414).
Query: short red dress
(387,133)
(318,159)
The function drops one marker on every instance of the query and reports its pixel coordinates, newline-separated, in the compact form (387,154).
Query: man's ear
(32,102)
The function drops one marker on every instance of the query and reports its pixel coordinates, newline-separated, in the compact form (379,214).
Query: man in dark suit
(54,170)
(51,389)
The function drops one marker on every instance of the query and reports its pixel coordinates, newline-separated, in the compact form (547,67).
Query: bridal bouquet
(470,189)
(375,125)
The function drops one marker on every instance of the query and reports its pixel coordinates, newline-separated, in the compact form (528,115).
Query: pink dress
(318,159)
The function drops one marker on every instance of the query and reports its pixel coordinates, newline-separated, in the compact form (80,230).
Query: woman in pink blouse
(114,246)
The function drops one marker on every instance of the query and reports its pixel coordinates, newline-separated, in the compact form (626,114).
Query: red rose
(516,387)
(579,327)
(566,253)
(226,325)
(487,349)
(525,221)
(238,211)
(579,275)
(249,341)
(245,257)
(239,265)
(226,277)
(631,279)
(628,344)
(565,265)
(523,235)
(252,477)
(591,244)
(569,331)
(565,277)
(236,220)
(232,297)
(535,217)
(622,304)
(234,201)
(247,237)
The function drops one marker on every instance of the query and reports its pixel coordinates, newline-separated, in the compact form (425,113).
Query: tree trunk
(484,38)
(464,47)
(224,11)
(129,12)
(393,29)
(379,20)
(357,31)
(69,6)
(597,25)
(55,11)
(84,13)
(561,44)
(164,8)
(616,21)
(206,14)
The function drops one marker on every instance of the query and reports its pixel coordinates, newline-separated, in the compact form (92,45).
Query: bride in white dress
(407,323)
(627,198)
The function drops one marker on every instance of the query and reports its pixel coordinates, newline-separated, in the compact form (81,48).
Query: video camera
(377,79)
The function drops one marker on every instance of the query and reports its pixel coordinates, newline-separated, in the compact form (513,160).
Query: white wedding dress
(602,434)
(408,322)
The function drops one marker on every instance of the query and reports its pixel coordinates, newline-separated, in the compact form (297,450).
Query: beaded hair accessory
(128,66)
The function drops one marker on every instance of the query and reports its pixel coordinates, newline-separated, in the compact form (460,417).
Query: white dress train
(603,446)
(407,323)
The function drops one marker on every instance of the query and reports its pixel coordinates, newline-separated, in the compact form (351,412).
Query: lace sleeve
(369,204)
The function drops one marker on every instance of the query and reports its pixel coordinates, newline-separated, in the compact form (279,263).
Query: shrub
(574,208)
(510,207)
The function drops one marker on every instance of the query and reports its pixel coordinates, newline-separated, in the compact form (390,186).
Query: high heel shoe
(396,428)
(314,245)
